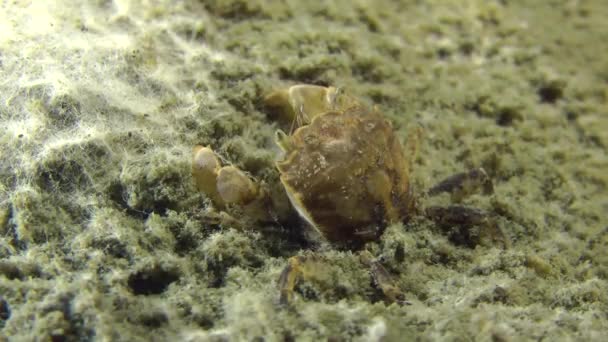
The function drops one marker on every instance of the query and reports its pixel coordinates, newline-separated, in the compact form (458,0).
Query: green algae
(104,235)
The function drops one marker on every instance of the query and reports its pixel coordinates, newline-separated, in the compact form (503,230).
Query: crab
(346,174)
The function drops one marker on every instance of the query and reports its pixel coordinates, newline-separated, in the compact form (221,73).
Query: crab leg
(463,184)
(305,267)
(465,218)
(289,278)
(383,280)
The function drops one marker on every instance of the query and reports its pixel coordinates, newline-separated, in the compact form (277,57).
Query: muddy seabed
(104,236)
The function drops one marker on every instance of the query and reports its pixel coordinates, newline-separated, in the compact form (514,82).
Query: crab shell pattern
(346,174)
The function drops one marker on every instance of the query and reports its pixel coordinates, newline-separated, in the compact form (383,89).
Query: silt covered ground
(104,236)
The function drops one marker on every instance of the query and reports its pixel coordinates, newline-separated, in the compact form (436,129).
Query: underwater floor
(104,235)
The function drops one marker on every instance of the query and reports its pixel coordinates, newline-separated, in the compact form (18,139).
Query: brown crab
(344,172)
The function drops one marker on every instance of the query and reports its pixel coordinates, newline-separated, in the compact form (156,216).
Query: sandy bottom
(103,234)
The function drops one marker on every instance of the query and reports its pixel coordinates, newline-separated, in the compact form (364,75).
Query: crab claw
(205,169)
(224,185)
(234,186)
(299,104)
